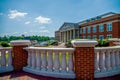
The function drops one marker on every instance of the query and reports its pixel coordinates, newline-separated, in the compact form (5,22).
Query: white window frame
(88,29)
(94,29)
(100,37)
(94,36)
(89,37)
(109,26)
(109,36)
(101,28)
(84,30)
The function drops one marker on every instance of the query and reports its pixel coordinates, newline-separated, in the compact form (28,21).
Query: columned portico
(67,35)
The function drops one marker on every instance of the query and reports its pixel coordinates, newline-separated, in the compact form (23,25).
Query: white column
(70,34)
(50,61)
(113,59)
(101,61)
(73,33)
(29,59)
(38,60)
(10,58)
(107,61)
(44,61)
(63,61)
(70,62)
(60,37)
(3,59)
(96,62)
(56,62)
(78,33)
(33,59)
(117,59)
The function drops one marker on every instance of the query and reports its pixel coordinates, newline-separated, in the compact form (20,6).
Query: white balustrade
(6,59)
(107,62)
(54,62)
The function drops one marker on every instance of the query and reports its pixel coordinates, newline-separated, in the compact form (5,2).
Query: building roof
(97,17)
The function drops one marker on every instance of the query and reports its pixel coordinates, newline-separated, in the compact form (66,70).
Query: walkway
(21,75)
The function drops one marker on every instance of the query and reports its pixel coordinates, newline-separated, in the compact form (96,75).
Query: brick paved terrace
(82,62)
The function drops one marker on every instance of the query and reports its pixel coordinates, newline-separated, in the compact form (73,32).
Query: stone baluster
(33,58)
(107,60)
(29,59)
(56,62)
(96,62)
(38,60)
(63,61)
(44,61)
(10,59)
(3,59)
(117,59)
(101,61)
(50,61)
(70,62)
(113,60)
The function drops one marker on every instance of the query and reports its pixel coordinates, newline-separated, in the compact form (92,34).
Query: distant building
(100,27)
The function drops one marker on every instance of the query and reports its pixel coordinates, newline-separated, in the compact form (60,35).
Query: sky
(44,17)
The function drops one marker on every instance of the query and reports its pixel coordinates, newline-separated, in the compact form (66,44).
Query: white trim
(84,43)
(20,42)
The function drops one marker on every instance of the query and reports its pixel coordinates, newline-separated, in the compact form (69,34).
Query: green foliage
(4,44)
(34,37)
(103,43)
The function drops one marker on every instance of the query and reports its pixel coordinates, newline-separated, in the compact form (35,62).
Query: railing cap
(84,43)
(20,42)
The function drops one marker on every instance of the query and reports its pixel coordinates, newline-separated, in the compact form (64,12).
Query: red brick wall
(84,63)
(19,57)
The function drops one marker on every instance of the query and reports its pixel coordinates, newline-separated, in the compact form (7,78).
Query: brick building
(99,27)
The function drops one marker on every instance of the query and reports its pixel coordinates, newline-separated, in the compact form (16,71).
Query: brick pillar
(84,59)
(19,54)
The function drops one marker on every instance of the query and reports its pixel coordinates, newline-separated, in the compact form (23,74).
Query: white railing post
(50,61)
(63,61)
(3,58)
(113,59)
(38,60)
(101,61)
(33,58)
(96,62)
(56,62)
(107,60)
(117,58)
(29,59)
(44,61)
(10,59)
(70,62)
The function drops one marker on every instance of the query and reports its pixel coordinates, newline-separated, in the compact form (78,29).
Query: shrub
(102,43)
(4,44)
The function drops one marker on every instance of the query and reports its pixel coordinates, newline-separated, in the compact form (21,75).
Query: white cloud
(42,20)
(15,14)
(1,14)
(28,22)
(44,31)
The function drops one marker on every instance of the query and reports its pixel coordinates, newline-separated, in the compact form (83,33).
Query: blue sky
(43,17)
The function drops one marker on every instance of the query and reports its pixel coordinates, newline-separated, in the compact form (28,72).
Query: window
(101,37)
(89,29)
(101,28)
(84,30)
(80,30)
(109,26)
(89,37)
(84,37)
(94,29)
(94,37)
(109,36)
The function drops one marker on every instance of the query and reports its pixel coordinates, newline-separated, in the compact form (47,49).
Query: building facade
(100,27)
